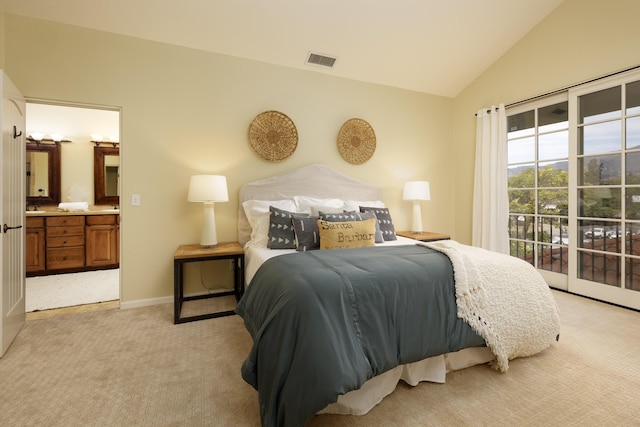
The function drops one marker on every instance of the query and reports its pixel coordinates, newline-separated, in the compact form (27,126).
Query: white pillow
(354,205)
(258,215)
(312,205)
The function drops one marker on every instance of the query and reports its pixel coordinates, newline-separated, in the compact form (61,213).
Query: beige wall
(580,40)
(186,111)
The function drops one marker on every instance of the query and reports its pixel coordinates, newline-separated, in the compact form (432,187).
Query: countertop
(93,210)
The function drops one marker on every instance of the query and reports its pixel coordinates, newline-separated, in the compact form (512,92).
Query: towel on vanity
(74,206)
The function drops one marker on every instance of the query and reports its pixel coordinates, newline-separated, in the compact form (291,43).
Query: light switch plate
(135,200)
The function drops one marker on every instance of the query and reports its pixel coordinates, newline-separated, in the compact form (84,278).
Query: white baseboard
(146,302)
(162,300)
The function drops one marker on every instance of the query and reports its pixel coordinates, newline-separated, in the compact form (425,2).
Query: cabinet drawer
(35,222)
(65,241)
(76,230)
(102,219)
(65,258)
(63,221)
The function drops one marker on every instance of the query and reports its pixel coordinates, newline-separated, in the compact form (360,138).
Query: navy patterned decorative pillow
(307,235)
(281,233)
(384,221)
(353,216)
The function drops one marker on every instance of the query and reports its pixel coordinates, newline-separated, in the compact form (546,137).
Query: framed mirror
(43,174)
(106,175)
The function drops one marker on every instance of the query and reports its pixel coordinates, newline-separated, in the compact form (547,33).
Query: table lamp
(416,191)
(208,189)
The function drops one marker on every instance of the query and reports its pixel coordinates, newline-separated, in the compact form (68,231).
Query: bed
(335,330)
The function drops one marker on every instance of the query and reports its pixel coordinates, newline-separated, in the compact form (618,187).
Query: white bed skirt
(433,369)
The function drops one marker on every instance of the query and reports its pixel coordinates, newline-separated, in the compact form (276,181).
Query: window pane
(553,202)
(633,168)
(553,258)
(599,202)
(521,227)
(590,231)
(633,133)
(553,230)
(521,150)
(600,236)
(632,236)
(601,105)
(632,268)
(599,170)
(633,98)
(522,201)
(553,117)
(632,202)
(521,124)
(523,176)
(553,146)
(600,138)
(599,268)
(553,174)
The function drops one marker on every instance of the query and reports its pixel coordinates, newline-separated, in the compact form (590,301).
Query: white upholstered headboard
(316,180)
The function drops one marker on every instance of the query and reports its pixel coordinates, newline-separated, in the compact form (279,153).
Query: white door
(12,206)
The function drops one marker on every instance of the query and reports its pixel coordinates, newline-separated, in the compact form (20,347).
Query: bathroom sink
(35,212)
(109,210)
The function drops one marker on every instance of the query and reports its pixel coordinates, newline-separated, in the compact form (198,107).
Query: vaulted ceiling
(431,46)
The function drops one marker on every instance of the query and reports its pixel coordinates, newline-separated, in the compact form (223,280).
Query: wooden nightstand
(425,236)
(195,253)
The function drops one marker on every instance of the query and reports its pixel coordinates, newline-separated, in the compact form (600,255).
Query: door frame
(49,102)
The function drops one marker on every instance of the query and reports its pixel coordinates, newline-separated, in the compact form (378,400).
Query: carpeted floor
(135,368)
(72,289)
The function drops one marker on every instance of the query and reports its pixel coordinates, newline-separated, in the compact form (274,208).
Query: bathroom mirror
(43,174)
(106,174)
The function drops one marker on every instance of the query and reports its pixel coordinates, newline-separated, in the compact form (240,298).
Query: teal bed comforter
(324,322)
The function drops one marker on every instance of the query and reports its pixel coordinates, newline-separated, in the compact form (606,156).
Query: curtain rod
(566,88)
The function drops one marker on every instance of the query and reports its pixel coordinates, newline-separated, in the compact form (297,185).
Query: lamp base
(417,218)
(209,238)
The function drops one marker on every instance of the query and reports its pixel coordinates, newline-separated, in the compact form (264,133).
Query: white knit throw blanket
(504,299)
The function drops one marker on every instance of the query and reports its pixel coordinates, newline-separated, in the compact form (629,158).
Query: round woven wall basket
(356,141)
(273,136)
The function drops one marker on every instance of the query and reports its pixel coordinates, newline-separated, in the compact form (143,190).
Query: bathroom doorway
(79,132)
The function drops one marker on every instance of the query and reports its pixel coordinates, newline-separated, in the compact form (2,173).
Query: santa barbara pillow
(350,234)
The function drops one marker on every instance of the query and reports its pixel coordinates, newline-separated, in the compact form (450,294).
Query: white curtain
(490,199)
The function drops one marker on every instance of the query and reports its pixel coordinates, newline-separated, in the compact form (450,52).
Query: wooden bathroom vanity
(65,242)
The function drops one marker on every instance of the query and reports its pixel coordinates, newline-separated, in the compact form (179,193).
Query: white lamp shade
(416,190)
(208,188)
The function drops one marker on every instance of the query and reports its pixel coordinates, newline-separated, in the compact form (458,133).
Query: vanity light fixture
(99,139)
(416,191)
(38,138)
(208,189)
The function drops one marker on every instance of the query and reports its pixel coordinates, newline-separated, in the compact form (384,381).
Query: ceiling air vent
(322,60)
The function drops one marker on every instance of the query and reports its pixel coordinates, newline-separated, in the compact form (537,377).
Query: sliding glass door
(607,191)
(574,188)
(538,186)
